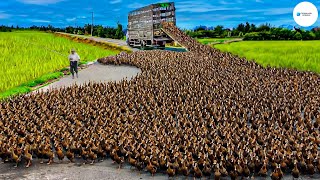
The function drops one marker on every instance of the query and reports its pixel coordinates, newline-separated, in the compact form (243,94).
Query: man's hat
(73,50)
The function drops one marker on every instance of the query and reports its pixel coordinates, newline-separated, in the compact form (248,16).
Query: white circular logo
(305,14)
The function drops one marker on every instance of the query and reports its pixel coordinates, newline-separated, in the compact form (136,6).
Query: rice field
(27,55)
(299,55)
(214,40)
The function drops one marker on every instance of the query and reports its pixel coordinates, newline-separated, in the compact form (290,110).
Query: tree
(100,30)
(241,28)
(247,27)
(218,30)
(79,32)
(87,29)
(264,27)
(253,28)
(312,35)
(298,36)
(69,29)
(200,28)
(119,33)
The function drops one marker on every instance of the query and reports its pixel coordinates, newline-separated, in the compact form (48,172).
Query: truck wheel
(162,46)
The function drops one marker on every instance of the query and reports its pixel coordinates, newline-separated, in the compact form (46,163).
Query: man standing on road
(74,59)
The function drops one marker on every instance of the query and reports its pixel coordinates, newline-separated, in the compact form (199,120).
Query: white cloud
(272,11)
(71,19)
(40,2)
(39,21)
(225,2)
(23,15)
(75,18)
(136,5)
(4,15)
(115,1)
(201,7)
(46,12)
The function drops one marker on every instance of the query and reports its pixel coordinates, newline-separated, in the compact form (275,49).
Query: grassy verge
(28,86)
(299,55)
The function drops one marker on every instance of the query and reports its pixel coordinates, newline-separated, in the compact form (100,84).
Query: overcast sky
(228,13)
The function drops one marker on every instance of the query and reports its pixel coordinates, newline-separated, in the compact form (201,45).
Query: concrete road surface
(74,171)
(95,73)
(109,40)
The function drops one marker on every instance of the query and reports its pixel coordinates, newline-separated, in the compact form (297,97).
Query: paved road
(96,73)
(105,170)
(73,171)
(121,42)
(99,39)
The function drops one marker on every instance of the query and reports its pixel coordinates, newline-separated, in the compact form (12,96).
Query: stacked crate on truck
(144,25)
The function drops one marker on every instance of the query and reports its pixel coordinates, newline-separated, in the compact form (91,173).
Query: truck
(144,25)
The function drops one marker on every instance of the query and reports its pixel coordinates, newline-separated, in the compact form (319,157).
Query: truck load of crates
(144,25)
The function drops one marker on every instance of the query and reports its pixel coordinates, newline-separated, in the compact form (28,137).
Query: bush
(297,36)
(252,36)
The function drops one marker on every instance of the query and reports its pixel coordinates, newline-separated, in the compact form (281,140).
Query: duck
(151,168)
(27,156)
(93,156)
(184,169)
(70,156)
(234,173)
(196,171)
(217,173)
(246,170)
(263,171)
(16,158)
(170,171)
(131,160)
(207,170)
(310,167)
(139,166)
(277,173)
(295,172)
(60,153)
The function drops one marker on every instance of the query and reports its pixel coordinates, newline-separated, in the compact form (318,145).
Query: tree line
(246,31)
(98,30)
(249,31)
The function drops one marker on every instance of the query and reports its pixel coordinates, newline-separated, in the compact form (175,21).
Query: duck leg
(29,163)
(50,161)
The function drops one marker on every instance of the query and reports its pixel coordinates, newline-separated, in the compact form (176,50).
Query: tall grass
(26,56)
(213,40)
(299,55)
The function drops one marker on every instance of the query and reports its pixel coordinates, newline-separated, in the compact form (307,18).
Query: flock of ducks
(197,113)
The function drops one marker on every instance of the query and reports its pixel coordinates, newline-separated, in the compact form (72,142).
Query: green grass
(299,55)
(14,91)
(43,79)
(213,40)
(27,87)
(28,55)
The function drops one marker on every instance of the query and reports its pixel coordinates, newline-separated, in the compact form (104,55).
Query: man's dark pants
(73,67)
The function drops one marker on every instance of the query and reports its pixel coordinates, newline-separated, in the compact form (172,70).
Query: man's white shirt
(74,57)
